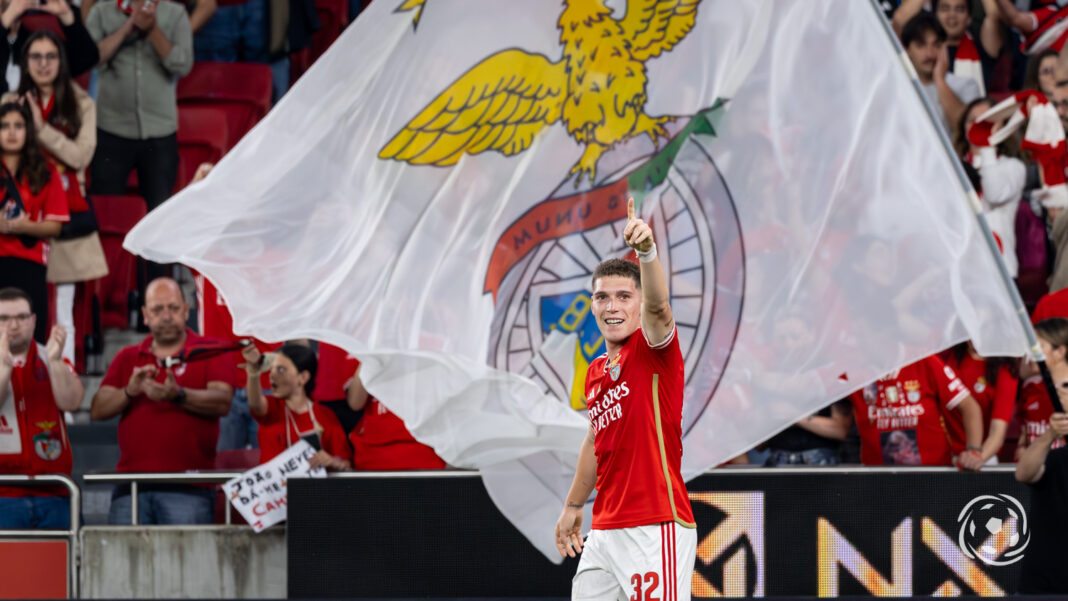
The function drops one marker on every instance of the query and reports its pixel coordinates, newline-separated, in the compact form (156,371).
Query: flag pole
(977,209)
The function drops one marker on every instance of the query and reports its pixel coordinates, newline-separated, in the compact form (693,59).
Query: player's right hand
(569,532)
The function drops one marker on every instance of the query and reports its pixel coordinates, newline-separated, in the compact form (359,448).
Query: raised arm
(257,404)
(67,388)
(907,10)
(657,321)
(569,526)
(1016,18)
(991,34)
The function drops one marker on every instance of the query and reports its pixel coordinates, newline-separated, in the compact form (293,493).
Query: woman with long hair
(288,414)
(993,385)
(1041,73)
(64,117)
(32,210)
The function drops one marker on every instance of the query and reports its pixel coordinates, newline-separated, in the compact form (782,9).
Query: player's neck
(613,349)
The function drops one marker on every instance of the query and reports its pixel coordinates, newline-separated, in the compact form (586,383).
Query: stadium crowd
(90,109)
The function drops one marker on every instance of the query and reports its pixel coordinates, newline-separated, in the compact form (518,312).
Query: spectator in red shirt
(169,417)
(380,440)
(288,414)
(899,417)
(1034,400)
(993,385)
(36,386)
(33,208)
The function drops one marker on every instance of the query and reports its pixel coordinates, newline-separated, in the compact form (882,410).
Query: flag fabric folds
(433,197)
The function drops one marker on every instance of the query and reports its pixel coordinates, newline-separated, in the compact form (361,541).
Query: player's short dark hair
(919,26)
(11,293)
(304,359)
(622,267)
(1054,331)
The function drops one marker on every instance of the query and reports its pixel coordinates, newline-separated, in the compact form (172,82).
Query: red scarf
(76,203)
(45,448)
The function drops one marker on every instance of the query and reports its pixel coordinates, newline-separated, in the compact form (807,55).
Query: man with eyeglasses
(169,416)
(36,387)
(81,49)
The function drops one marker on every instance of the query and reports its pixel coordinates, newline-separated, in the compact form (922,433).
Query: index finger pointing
(630,209)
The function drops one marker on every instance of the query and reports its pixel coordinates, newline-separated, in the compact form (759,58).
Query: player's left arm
(657,321)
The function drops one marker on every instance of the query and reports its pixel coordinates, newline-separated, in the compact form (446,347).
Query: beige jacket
(75,153)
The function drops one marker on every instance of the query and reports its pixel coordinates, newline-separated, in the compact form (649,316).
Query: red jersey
(214,321)
(280,428)
(997,399)
(336,368)
(1037,410)
(160,436)
(634,403)
(1054,304)
(899,416)
(380,441)
(50,204)
(33,437)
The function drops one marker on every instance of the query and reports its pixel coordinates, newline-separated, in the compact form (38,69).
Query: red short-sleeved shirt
(274,438)
(899,417)
(1037,410)
(634,404)
(159,436)
(380,441)
(214,321)
(336,368)
(50,204)
(997,399)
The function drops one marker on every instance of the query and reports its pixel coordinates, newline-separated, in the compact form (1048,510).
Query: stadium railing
(136,478)
(73,554)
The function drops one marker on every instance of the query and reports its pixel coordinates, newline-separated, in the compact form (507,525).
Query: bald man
(169,417)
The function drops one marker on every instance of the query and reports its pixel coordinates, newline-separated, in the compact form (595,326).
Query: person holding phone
(288,414)
(33,208)
(80,46)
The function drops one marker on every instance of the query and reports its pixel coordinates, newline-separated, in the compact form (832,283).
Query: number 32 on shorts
(651,581)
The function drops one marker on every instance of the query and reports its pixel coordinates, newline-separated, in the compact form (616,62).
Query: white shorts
(643,563)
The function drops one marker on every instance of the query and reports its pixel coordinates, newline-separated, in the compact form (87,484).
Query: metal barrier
(71,533)
(133,478)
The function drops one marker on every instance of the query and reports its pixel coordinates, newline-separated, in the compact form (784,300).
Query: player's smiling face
(617,304)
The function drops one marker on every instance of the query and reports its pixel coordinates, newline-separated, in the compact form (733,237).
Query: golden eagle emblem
(596,89)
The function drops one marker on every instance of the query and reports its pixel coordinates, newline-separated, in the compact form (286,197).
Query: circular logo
(546,293)
(993,529)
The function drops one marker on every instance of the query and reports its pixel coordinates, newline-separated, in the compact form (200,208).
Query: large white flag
(433,197)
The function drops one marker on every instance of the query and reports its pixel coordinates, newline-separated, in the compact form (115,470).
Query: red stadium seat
(241,90)
(334,15)
(202,137)
(116,215)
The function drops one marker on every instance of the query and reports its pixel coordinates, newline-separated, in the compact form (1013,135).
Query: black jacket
(81,49)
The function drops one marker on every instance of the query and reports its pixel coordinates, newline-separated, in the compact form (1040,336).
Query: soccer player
(643,538)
